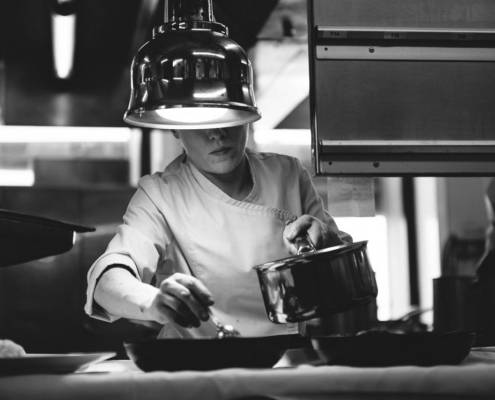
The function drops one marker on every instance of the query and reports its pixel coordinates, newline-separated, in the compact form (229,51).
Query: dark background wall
(41,302)
(108,33)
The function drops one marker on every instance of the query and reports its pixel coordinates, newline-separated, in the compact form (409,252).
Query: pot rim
(287,262)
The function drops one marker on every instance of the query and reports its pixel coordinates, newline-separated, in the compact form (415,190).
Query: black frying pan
(211,353)
(381,348)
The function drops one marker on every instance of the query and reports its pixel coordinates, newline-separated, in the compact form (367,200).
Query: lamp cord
(209,11)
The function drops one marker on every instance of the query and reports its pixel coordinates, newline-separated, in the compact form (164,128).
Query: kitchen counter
(474,378)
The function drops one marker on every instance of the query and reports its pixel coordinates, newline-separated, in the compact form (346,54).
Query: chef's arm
(180,298)
(120,293)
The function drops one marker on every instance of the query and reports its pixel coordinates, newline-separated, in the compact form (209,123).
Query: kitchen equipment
(223,331)
(369,56)
(359,318)
(26,237)
(485,276)
(484,288)
(207,354)
(454,303)
(380,348)
(191,75)
(315,283)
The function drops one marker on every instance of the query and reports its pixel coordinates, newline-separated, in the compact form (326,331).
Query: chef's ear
(175,133)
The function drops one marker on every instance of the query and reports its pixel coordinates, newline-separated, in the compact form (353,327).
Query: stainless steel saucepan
(315,283)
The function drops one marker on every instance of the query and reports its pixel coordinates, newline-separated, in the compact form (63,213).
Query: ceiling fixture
(191,75)
(63,36)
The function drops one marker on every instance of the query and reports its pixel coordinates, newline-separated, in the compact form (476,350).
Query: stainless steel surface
(304,244)
(317,283)
(404,53)
(386,100)
(406,157)
(386,43)
(419,71)
(419,167)
(191,76)
(463,14)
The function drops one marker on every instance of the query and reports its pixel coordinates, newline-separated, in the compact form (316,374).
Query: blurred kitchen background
(66,154)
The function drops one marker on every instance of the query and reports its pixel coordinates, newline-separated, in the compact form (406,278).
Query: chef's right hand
(183,299)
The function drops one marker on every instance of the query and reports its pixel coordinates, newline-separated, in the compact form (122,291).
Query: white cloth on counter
(472,379)
(179,221)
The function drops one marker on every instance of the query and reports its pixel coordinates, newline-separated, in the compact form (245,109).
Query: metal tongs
(223,331)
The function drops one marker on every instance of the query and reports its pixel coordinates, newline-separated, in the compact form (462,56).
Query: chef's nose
(216,134)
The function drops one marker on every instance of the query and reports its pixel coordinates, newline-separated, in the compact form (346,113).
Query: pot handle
(304,244)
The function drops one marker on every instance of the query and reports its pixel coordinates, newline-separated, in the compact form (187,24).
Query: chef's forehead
(231,129)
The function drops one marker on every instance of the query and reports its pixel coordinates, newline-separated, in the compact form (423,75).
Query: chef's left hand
(321,234)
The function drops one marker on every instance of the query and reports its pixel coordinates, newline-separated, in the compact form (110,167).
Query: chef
(192,234)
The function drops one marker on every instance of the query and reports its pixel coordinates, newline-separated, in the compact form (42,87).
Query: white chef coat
(179,221)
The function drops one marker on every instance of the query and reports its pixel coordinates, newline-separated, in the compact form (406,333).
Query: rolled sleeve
(140,243)
(91,307)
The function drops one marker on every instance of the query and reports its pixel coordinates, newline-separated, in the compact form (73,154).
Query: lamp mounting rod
(182,10)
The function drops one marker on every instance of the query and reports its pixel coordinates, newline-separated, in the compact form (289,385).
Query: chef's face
(216,151)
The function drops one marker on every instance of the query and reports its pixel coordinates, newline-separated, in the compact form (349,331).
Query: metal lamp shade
(191,76)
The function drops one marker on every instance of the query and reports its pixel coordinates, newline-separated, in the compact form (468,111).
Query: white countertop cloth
(472,379)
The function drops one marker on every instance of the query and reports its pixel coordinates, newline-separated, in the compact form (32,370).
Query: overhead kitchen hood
(402,89)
